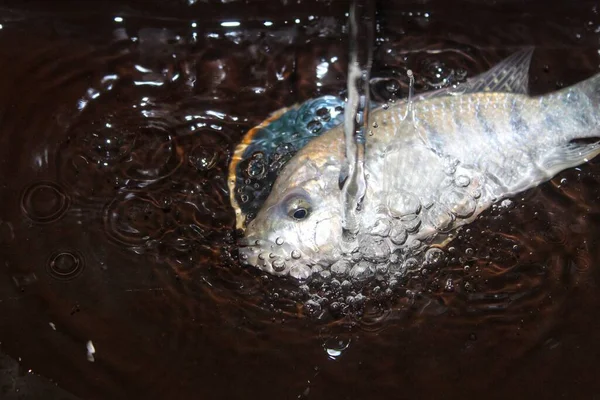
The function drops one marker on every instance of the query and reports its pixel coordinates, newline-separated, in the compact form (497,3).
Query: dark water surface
(117,123)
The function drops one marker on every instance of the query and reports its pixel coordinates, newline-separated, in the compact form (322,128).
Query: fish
(433,165)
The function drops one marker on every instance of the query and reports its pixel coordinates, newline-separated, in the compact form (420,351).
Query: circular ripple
(105,143)
(135,220)
(155,154)
(124,148)
(65,265)
(44,202)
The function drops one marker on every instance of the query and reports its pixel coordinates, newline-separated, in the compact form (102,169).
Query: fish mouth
(275,259)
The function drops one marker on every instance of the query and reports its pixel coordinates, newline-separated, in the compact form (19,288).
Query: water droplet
(65,265)
(323,113)
(44,202)
(335,347)
(506,203)
(256,168)
(462,181)
(91,350)
(279,265)
(314,126)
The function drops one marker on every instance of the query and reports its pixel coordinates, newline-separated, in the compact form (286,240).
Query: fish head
(298,229)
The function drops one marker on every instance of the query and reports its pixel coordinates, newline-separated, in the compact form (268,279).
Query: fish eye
(298,208)
(300,213)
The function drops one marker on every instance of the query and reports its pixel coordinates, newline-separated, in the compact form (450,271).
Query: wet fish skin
(432,166)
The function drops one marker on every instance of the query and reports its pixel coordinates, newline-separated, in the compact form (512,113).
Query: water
(116,129)
(361,21)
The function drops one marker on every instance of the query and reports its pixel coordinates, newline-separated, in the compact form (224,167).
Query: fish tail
(591,87)
(579,123)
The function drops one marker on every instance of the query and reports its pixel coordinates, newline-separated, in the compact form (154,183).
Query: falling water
(361,21)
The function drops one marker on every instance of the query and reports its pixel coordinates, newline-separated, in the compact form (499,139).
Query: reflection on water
(115,228)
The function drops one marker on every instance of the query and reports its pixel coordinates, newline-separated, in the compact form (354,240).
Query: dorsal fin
(511,75)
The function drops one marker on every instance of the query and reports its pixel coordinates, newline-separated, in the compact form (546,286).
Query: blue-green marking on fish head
(265,149)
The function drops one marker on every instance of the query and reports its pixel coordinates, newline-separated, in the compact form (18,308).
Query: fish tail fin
(581,123)
(591,87)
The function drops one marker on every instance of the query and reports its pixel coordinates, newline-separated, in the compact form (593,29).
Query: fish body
(432,166)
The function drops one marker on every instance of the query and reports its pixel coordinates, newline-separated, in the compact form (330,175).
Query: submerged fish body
(432,165)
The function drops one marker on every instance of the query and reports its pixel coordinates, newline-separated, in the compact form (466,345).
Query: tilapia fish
(432,165)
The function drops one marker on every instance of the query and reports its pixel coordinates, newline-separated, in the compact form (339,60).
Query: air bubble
(362,270)
(398,235)
(506,203)
(340,267)
(300,272)
(296,254)
(411,264)
(374,249)
(279,265)
(312,308)
(314,126)
(256,168)
(279,241)
(434,257)
(462,181)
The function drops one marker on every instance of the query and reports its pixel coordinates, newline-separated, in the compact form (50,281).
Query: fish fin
(571,154)
(511,75)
